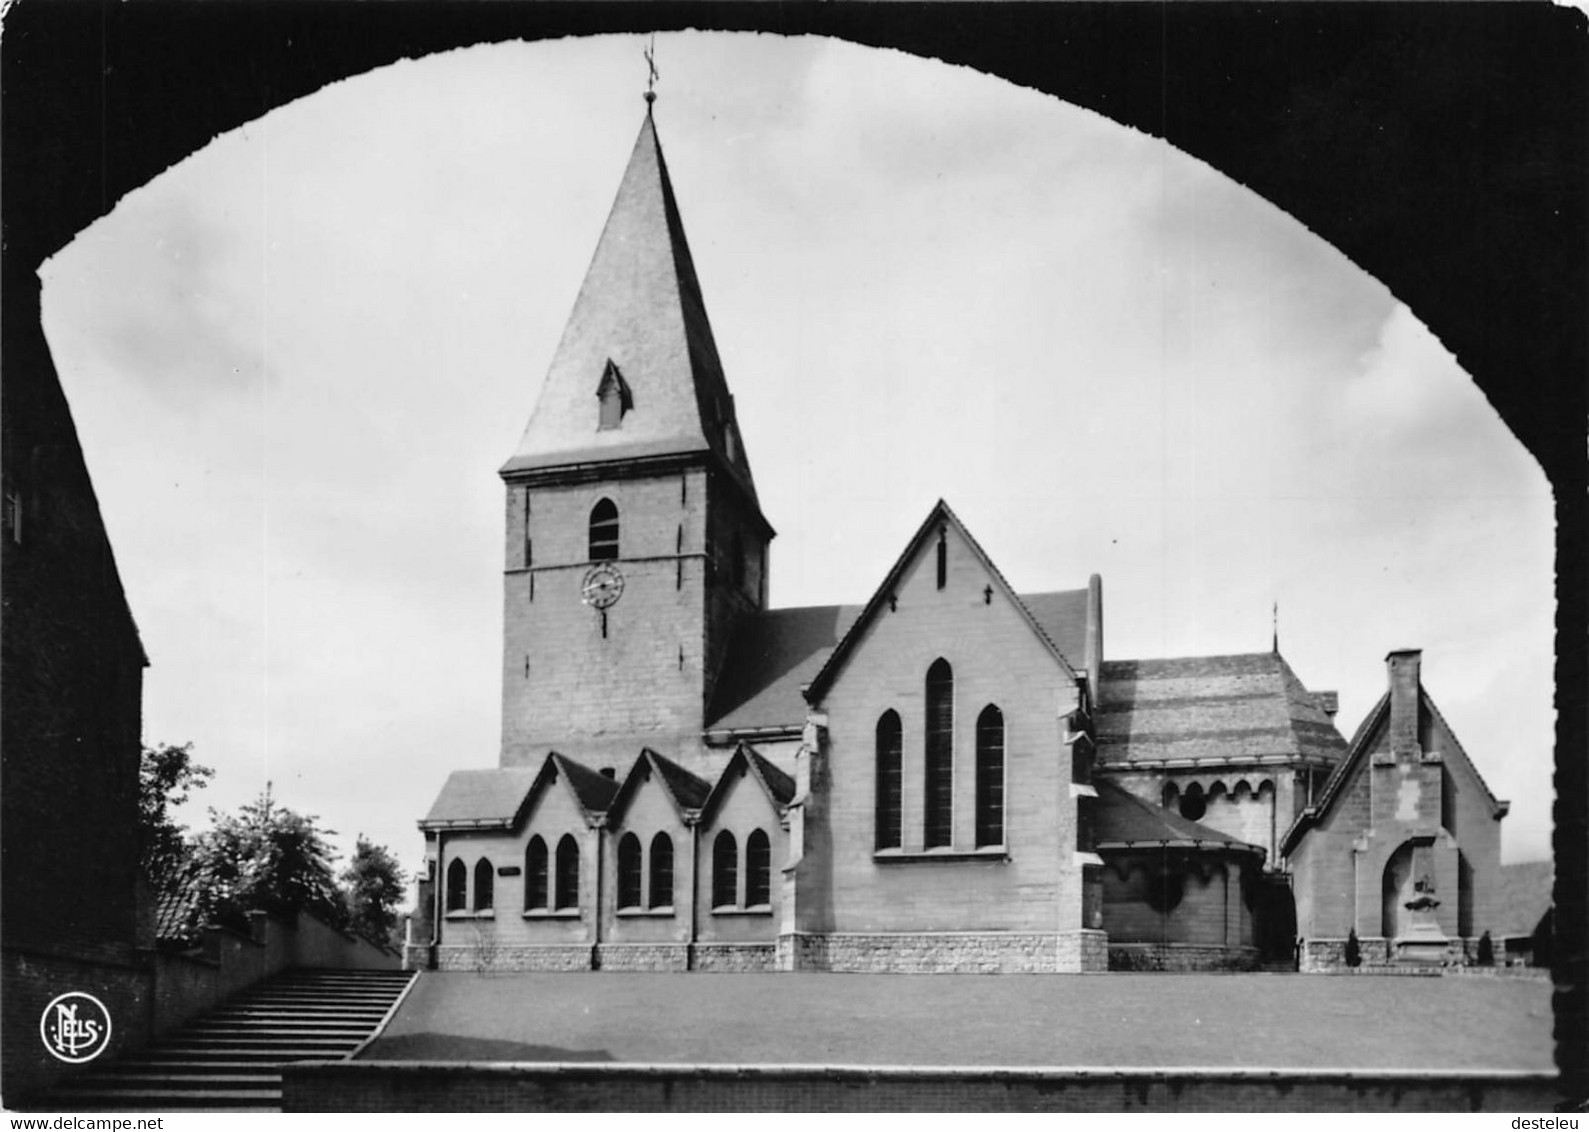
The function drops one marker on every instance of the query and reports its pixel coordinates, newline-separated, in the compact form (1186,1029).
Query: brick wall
(373,1086)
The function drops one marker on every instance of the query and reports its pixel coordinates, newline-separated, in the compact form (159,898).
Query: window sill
(753,910)
(552,914)
(642,913)
(486,914)
(987,853)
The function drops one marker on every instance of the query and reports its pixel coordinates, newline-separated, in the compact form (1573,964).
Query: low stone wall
(1377,951)
(1181,957)
(411,1086)
(925,952)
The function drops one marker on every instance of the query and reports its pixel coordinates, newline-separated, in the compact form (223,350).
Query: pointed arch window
(603,530)
(535,874)
(485,875)
(457,886)
(889,821)
(758,870)
(725,871)
(939,801)
(567,880)
(661,871)
(990,777)
(629,871)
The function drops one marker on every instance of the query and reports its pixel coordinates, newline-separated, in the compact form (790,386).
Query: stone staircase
(230,1059)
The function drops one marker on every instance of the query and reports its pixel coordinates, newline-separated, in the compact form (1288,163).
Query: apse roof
(1211,710)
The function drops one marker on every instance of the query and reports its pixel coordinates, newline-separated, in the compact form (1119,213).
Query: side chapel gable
(591,792)
(685,792)
(747,764)
(940,520)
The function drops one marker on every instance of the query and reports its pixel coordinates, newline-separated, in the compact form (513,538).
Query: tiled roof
(594,790)
(640,307)
(175,911)
(778,786)
(1126,821)
(481,797)
(1211,710)
(686,791)
(1524,897)
(1063,616)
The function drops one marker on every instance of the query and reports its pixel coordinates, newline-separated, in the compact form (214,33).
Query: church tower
(635,541)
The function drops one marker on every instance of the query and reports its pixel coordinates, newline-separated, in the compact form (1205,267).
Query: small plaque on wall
(508,871)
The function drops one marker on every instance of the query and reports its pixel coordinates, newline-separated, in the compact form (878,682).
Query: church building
(946,776)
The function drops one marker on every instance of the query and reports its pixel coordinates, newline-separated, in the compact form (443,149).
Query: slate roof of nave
(778,651)
(1211,709)
(1124,820)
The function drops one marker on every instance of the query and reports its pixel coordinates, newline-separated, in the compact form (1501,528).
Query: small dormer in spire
(613,397)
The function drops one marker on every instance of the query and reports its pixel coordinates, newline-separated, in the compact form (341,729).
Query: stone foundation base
(1085,949)
(530,957)
(925,952)
(1181,957)
(643,957)
(736,957)
(1380,954)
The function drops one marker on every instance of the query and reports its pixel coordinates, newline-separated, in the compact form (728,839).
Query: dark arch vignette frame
(1441,147)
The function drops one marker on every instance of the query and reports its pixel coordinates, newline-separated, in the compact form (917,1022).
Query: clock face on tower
(603,585)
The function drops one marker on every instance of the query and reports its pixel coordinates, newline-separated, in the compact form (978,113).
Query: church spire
(639,311)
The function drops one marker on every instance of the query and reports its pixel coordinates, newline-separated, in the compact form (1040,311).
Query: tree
(267,858)
(374,883)
(167,776)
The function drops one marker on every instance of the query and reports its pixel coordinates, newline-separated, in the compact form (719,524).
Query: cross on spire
(651,68)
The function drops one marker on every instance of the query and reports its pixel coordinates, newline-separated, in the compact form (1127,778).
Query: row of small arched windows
(645,880)
(938,768)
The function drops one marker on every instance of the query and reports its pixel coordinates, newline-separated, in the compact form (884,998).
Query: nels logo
(75,1027)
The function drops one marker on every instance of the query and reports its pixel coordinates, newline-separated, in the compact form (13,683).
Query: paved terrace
(1142,1020)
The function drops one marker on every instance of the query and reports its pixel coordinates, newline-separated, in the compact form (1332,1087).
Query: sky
(298,358)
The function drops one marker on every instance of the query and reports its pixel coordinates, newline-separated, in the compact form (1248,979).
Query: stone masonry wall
(928,952)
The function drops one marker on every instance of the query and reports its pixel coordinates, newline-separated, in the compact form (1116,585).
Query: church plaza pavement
(1182,1020)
